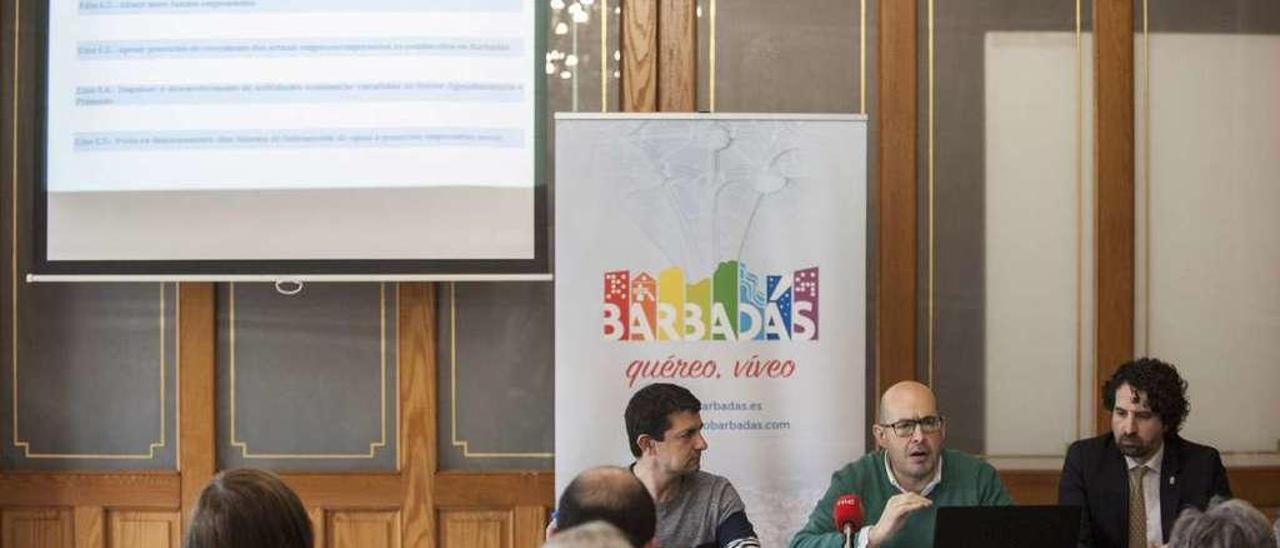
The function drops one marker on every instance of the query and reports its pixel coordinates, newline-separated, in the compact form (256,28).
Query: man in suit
(1132,482)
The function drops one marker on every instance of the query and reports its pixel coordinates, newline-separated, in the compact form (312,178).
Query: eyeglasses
(907,427)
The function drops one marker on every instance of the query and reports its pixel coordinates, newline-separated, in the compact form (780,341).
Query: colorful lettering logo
(730,305)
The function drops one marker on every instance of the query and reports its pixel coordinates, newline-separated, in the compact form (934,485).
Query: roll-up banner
(727,254)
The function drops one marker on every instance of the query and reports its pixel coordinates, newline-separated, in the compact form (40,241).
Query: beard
(1134,448)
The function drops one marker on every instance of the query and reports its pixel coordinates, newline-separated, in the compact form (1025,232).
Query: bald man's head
(613,495)
(905,398)
(911,433)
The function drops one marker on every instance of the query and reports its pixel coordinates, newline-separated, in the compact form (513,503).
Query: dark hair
(613,495)
(1165,390)
(649,411)
(248,508)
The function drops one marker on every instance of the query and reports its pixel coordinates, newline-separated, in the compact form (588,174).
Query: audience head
(651,408)
(610,494)
(248,508)
(1233,523)
(1147,400)
(664,428)
(910,431)
(595,534)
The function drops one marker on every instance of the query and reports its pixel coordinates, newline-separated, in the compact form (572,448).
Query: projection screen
(292,136)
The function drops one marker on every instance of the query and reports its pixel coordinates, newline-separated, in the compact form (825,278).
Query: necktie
(1137,508)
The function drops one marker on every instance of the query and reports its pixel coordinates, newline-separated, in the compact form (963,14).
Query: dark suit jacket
(1095,477)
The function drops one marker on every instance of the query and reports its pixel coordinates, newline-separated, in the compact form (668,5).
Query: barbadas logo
(730,305)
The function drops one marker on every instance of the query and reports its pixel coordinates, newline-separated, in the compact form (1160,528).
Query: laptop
(1007,526)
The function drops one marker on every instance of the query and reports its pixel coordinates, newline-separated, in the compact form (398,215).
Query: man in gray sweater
(695,508)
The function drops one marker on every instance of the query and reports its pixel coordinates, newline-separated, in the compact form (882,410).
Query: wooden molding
(417,345)
(158,490)
(495,489)
(1260,485)
(639,57)
(37,527)
(1114,176)
(347,490)
(476,528)
(1031,486)
(895,119)
(529,526)
(677,56)
(144,529)
(89,527)
(318,527)
(195,392)
(363,529)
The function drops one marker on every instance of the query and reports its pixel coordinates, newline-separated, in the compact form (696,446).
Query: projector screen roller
(298,136)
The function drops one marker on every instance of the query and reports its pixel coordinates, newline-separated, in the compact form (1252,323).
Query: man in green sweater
(902,485)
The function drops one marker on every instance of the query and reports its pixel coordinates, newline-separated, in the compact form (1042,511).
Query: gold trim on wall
(13,294)
(862,56)
(453,395)
(1079,292)
(382,387)
(26,446)
(1146,181)
(1078,418)
(932,241)
(1146,205)
(711,56)
(605,55)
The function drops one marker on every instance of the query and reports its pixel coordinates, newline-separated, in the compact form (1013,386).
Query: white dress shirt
(1151,493)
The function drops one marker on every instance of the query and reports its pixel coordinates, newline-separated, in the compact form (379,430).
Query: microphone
(848,514)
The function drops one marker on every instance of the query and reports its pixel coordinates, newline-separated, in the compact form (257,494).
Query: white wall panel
(1039,233)
(1214,270)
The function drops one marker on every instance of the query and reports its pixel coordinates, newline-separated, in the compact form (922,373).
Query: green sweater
(966,481)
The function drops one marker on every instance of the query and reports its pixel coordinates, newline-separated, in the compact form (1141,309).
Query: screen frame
(35,50)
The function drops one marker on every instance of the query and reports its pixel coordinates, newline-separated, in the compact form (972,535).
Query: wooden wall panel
(1031,486)
(134,489)
(37,528)
(195,391)
(362,529)
(145,529)
(494,489)
(417,412)
(475,529)
(350,490)
(529,526)
(528,495)
(639,56)
(895,121)
(1114,176)
(1259,485)
(677,56)
(90,527)
(316,516)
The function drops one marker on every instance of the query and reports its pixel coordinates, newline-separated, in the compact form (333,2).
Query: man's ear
(879,434)
(644,442)
(653,543)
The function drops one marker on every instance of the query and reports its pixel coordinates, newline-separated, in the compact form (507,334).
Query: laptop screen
(1007,526)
